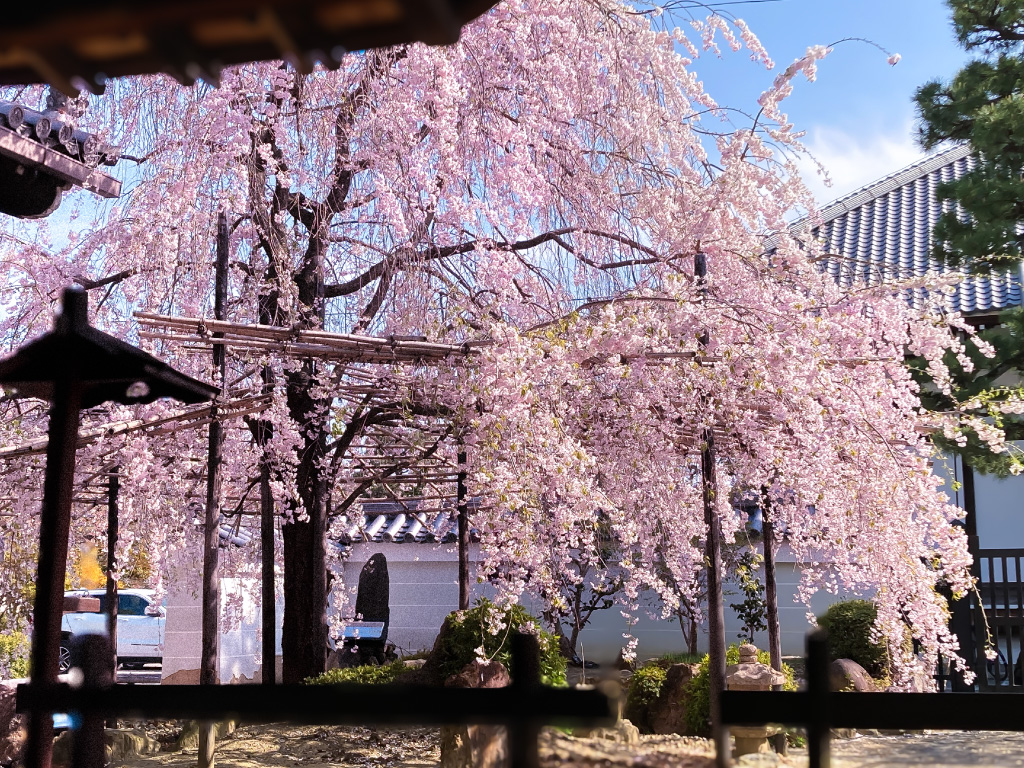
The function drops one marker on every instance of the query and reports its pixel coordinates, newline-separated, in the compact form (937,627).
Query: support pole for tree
(463,510)
(713,558)
(268,598)
(771,596)
(54,528)
(113,490)
(211,548)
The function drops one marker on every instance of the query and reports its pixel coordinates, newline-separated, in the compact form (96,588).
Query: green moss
(849,626)
(370,674)
(465,631)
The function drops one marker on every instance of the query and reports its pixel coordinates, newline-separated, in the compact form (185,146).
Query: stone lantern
(751,675)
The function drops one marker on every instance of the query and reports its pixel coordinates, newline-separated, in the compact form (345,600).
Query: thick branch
(89,284)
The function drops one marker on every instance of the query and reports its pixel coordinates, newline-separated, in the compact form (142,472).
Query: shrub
(370,674)
(849,626)
(465,631)
(644,689)
(14,648)
(698,695)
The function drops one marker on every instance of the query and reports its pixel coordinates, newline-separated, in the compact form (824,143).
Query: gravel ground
(290,746)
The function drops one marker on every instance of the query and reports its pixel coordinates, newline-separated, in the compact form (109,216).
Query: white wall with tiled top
(424,589)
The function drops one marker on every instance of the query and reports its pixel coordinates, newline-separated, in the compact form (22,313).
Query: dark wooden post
(973,545)
(211,548)
(268,601)
(713,558)
(818,716)
(771,597)
(522,736)
(113,490)
(463,511)
(54,528)
(88,749)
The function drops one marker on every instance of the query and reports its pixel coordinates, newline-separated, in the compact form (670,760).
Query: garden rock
(623,732)
(12,735)
(476,746)
(480,674)
(189,738)
(372,604)
(668,711)
(848,675)
(120,743)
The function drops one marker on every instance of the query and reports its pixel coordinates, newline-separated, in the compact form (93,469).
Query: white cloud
(853,160)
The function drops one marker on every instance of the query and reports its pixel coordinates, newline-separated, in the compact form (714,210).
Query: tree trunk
(771,596)
(304,634)
(463,511)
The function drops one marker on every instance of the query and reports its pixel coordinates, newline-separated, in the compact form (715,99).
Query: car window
(131,605)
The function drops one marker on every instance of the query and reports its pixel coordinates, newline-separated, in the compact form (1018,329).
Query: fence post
(522,733)
(87,744)
(819,716)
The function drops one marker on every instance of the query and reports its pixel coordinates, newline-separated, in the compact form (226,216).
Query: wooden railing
(523,707)
(819,710)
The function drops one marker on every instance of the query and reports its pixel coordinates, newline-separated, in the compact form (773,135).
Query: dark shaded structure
(74,366)
(75,46)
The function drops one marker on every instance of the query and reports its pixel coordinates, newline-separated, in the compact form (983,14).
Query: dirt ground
(282,745)
(288,746)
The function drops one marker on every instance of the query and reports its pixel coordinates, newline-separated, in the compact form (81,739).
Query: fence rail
(819,709)
(523,707)
(1001,591)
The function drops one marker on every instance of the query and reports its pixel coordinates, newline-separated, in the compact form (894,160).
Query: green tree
(983,105)
(987,395)
(982,227)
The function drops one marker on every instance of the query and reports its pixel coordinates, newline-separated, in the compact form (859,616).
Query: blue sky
(858,114)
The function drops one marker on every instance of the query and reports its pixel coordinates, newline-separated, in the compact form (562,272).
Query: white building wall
(240,643)
(424,589)
(1000,503)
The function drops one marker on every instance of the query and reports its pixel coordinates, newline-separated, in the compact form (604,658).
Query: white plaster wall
(240,644)
(424,581)
(424,589)
(602,638)
(1000,503)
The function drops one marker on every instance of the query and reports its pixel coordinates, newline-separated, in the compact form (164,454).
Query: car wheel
(64,657)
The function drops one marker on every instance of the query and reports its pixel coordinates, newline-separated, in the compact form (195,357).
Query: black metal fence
(523,707)
(1001,589)
(819,710)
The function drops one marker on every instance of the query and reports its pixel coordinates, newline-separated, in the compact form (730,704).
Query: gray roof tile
(884,232)
(406,520)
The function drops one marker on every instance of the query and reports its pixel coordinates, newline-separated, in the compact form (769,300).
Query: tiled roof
(407,520)
(884,232)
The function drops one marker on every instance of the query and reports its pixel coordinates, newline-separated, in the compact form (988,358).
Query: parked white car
(140,627)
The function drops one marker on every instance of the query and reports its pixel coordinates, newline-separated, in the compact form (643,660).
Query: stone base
(474,746)
(752,739)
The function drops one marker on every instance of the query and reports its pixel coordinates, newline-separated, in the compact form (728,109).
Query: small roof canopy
(107,368)
(74,45)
